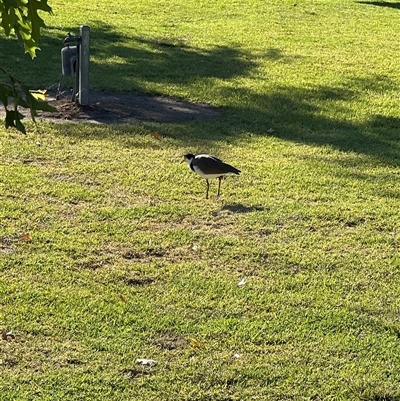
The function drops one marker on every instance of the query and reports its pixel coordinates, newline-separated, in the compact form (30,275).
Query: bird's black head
(188,157)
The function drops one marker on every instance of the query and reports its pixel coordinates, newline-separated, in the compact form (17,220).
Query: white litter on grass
(242,282)
(237,356)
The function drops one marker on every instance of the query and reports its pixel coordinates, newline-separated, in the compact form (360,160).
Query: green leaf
(38,94)
(5,93)
(23,19)
(22,97)
(8,20)
(13,119)
(36,21)
(34,102)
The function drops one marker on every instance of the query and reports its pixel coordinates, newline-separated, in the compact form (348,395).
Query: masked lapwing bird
(209,167)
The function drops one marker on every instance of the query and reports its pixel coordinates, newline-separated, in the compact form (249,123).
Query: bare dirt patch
(124,108)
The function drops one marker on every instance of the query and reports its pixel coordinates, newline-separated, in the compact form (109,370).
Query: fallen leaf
(26,237)
(122,297)
(194,343)
(146,362)
(156,135)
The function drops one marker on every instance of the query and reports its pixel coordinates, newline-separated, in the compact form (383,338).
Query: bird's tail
(232,169)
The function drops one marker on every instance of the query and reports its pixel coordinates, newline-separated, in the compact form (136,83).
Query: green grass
(127,258)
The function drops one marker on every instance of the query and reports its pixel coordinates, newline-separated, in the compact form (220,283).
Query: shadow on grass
(296,114)
(381,4)
(123,63)
(127,63)
(240,208)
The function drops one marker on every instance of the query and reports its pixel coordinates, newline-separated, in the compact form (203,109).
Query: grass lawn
(285,288)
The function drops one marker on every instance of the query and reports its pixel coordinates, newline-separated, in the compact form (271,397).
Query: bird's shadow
(240,208)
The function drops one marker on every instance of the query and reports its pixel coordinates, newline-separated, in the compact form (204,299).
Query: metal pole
(75,93)
(84,66)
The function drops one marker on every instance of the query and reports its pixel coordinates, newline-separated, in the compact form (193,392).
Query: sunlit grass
(284,288)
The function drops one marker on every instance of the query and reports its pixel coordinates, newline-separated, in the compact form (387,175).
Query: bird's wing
(209,157)
(212,165)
